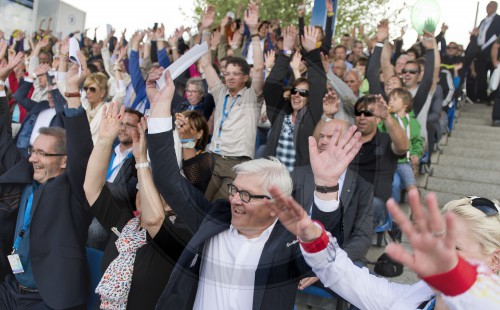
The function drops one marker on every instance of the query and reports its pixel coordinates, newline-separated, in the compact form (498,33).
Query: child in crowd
(401,108)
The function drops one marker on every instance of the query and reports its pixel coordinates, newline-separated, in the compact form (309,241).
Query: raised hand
(432,237)
(208,17)
(289,38)
(270,57)
(295,62)
(329,165)
(6,68)
(73,80)
(309,38)
(160,32)
(292,215)
(329,5)
(382,32)
(215,39)
(42,69)
(324,61)
(183,127)
(380,108)
(331,103)
(428,40)
(3,48)
(444,27)
(160,99)
(252,17)
(112,116)
(139,145)
(301,10)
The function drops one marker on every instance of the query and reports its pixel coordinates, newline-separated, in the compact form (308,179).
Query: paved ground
(468,164)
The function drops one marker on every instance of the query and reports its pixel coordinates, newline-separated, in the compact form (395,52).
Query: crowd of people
(262,169)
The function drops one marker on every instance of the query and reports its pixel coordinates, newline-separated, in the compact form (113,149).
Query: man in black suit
(121,176)
(53,217)
(240,256)
(489,30)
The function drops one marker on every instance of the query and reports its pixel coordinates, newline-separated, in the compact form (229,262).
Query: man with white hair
(240,257)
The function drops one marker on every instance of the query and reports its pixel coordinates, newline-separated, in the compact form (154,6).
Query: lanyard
(407,129)
(112,169)
(26,223)
(226,113)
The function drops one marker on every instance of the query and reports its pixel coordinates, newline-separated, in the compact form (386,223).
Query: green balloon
(425,15)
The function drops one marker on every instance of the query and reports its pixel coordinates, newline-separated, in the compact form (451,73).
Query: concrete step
(475,121)
(464,162)
(465,135)
(443,198)
(477,129)
(463,174)
(463,188)
(471,153)
(466,145)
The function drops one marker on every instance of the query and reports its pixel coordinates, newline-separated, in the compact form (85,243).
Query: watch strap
(327,189)
(142,165)
(70,95)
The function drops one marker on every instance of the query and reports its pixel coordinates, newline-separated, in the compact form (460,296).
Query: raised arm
(78,137)
(400,143)
(427,80)
(326,44)
(206,60)
(95,178)
(152,212)
(252,20)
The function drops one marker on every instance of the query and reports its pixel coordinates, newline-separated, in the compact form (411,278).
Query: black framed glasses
(244,195)
(410,71)
(127,125)
(301,92)
(485,205)
(366,113)
(41,153)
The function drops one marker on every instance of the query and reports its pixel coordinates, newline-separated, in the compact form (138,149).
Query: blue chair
(382,229)
(94,258)
(318,292)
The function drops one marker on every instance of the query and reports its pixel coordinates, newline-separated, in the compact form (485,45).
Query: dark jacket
(205,106)
(124,186)
(280,267)
(60,216)
(278,108)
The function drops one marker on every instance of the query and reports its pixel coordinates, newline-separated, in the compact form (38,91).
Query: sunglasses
(301,92)
(363,112)
(91,89)
(485,205)
(410,71)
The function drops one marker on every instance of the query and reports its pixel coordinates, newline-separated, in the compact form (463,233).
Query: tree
(350,13)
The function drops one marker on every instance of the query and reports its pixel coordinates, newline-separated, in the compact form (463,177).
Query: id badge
(15,263)
(217,146)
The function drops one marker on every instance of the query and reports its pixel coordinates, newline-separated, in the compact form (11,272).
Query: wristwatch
(189,145)
(327,189)
(326,118)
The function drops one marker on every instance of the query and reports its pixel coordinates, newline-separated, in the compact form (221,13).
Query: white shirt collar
(264,235)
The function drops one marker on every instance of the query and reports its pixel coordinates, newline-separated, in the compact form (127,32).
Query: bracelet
(287,52)
(187,140)
(327,189)
(326,118)
(34,76)
(143,165)
(72,95)
(379,44)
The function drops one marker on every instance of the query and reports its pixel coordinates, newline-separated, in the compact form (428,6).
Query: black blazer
(493,29)
(280,267)
(124,186)
(60,217)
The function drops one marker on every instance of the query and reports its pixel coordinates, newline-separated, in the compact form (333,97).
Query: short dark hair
(405,96)
(364,102)
(340,46)
(264,22)
(135,112)
(59,134)
(239,62)
(414,51)
(362,61)
(301,80)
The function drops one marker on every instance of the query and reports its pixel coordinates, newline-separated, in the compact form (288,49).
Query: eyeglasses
(410,71)
(233,73)
(127,125)
(244,195)
(41,153)
(485,205)
(192,91)
(301,92)
(452,47)
(363,112)
(91,89)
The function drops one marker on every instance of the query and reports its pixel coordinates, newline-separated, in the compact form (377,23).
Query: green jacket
(416,141)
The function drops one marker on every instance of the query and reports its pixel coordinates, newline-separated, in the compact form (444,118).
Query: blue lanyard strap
(225,113)
(112,169)
(26,223)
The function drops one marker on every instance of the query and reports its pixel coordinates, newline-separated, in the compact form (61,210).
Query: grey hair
(271,172)
(355,72)
(197,82)
(59,134)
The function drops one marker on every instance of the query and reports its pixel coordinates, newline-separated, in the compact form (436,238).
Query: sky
(136,14)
